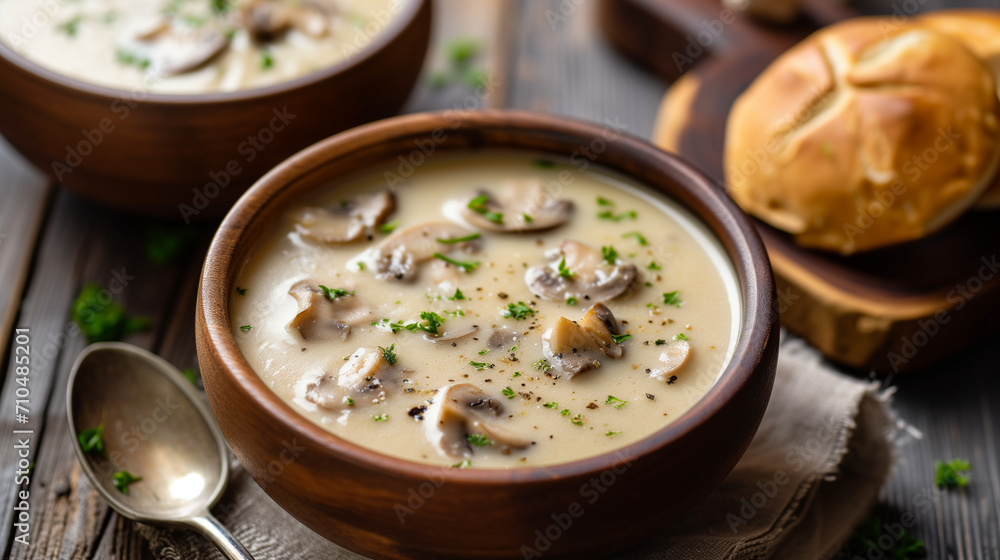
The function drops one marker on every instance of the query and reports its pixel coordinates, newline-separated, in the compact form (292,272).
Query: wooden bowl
(387,507)
(191,156)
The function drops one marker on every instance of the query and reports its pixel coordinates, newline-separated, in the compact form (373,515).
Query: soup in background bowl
(316,314)
(138,125)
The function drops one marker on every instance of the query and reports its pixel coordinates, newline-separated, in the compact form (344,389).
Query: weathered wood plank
(24,195)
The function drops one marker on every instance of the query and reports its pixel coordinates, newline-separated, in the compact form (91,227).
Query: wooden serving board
(894,309)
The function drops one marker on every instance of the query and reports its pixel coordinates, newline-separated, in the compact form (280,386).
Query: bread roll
(979,31)
(865,134)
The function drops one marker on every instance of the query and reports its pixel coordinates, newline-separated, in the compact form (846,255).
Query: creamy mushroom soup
(191,46)
(488,311)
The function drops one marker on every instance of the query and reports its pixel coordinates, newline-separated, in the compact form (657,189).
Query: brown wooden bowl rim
(379,42)
(737,236)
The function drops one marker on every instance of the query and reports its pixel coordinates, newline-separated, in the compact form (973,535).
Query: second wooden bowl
(354,496)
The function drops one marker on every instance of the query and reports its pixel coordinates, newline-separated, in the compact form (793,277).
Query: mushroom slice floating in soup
(326,314)
(170,47)
(364,380)
(464,417)
(400,255)
(269,20)
(350,221)
(580,271)
(576,347)
(674,358)
(521,206)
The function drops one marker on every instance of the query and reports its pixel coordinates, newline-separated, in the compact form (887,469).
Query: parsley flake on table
(672,298)
(122,480)
(100,318)
(949,474)
(870,536)
(517,311)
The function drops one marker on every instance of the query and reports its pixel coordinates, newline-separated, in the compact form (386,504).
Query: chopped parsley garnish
(565,272)
(638,237)
(870,534)
(565,412)
(334,293)
(513,348)
(471,237)
(516,374)
(673,298)
(479,440)
(480,366)
(163,244)
(361,265)
(388,354)
(190,375)
(610,434)
(478,205)
(541,365)
(92,440)
(484,351)
(132,59)
(508,392)
(619,338)
(463,465)
(220,6)
(246,328)
(653,266)
(615,401)
(241,291)
(71,27)
(390,227)
(465,266)
(100,318)
(579,419)
(660,342)
(610,255)
(527,219)
(571,300)
(456,313)
(950,474)
(551,404)
(609,215)
(544,163)
(350,401)
(433,321)
(461,51)
(458,295)
(681,336)
(122,480)
(601,201)
(517,311)
(381,417)
(266,59)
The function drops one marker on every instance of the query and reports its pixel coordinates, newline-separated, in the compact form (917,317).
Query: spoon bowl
(155,426)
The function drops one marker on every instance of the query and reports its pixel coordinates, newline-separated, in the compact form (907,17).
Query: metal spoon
(156,426)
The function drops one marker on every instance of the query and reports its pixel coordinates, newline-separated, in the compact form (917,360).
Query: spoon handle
(215,532)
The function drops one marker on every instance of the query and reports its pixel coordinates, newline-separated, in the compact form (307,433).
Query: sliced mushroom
(673,358)
(364,380)
(320,317)
(462,410)
(521,206)
(503,339)
(591,279)
(576,347)
(266,20)
(348,222)
(453,335)
(314,16)
(171,48)
(400,254)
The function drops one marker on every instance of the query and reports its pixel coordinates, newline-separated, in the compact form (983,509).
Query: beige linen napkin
(810,476)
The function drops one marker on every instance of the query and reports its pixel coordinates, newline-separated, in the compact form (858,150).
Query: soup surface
(191,46)
(488,311)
